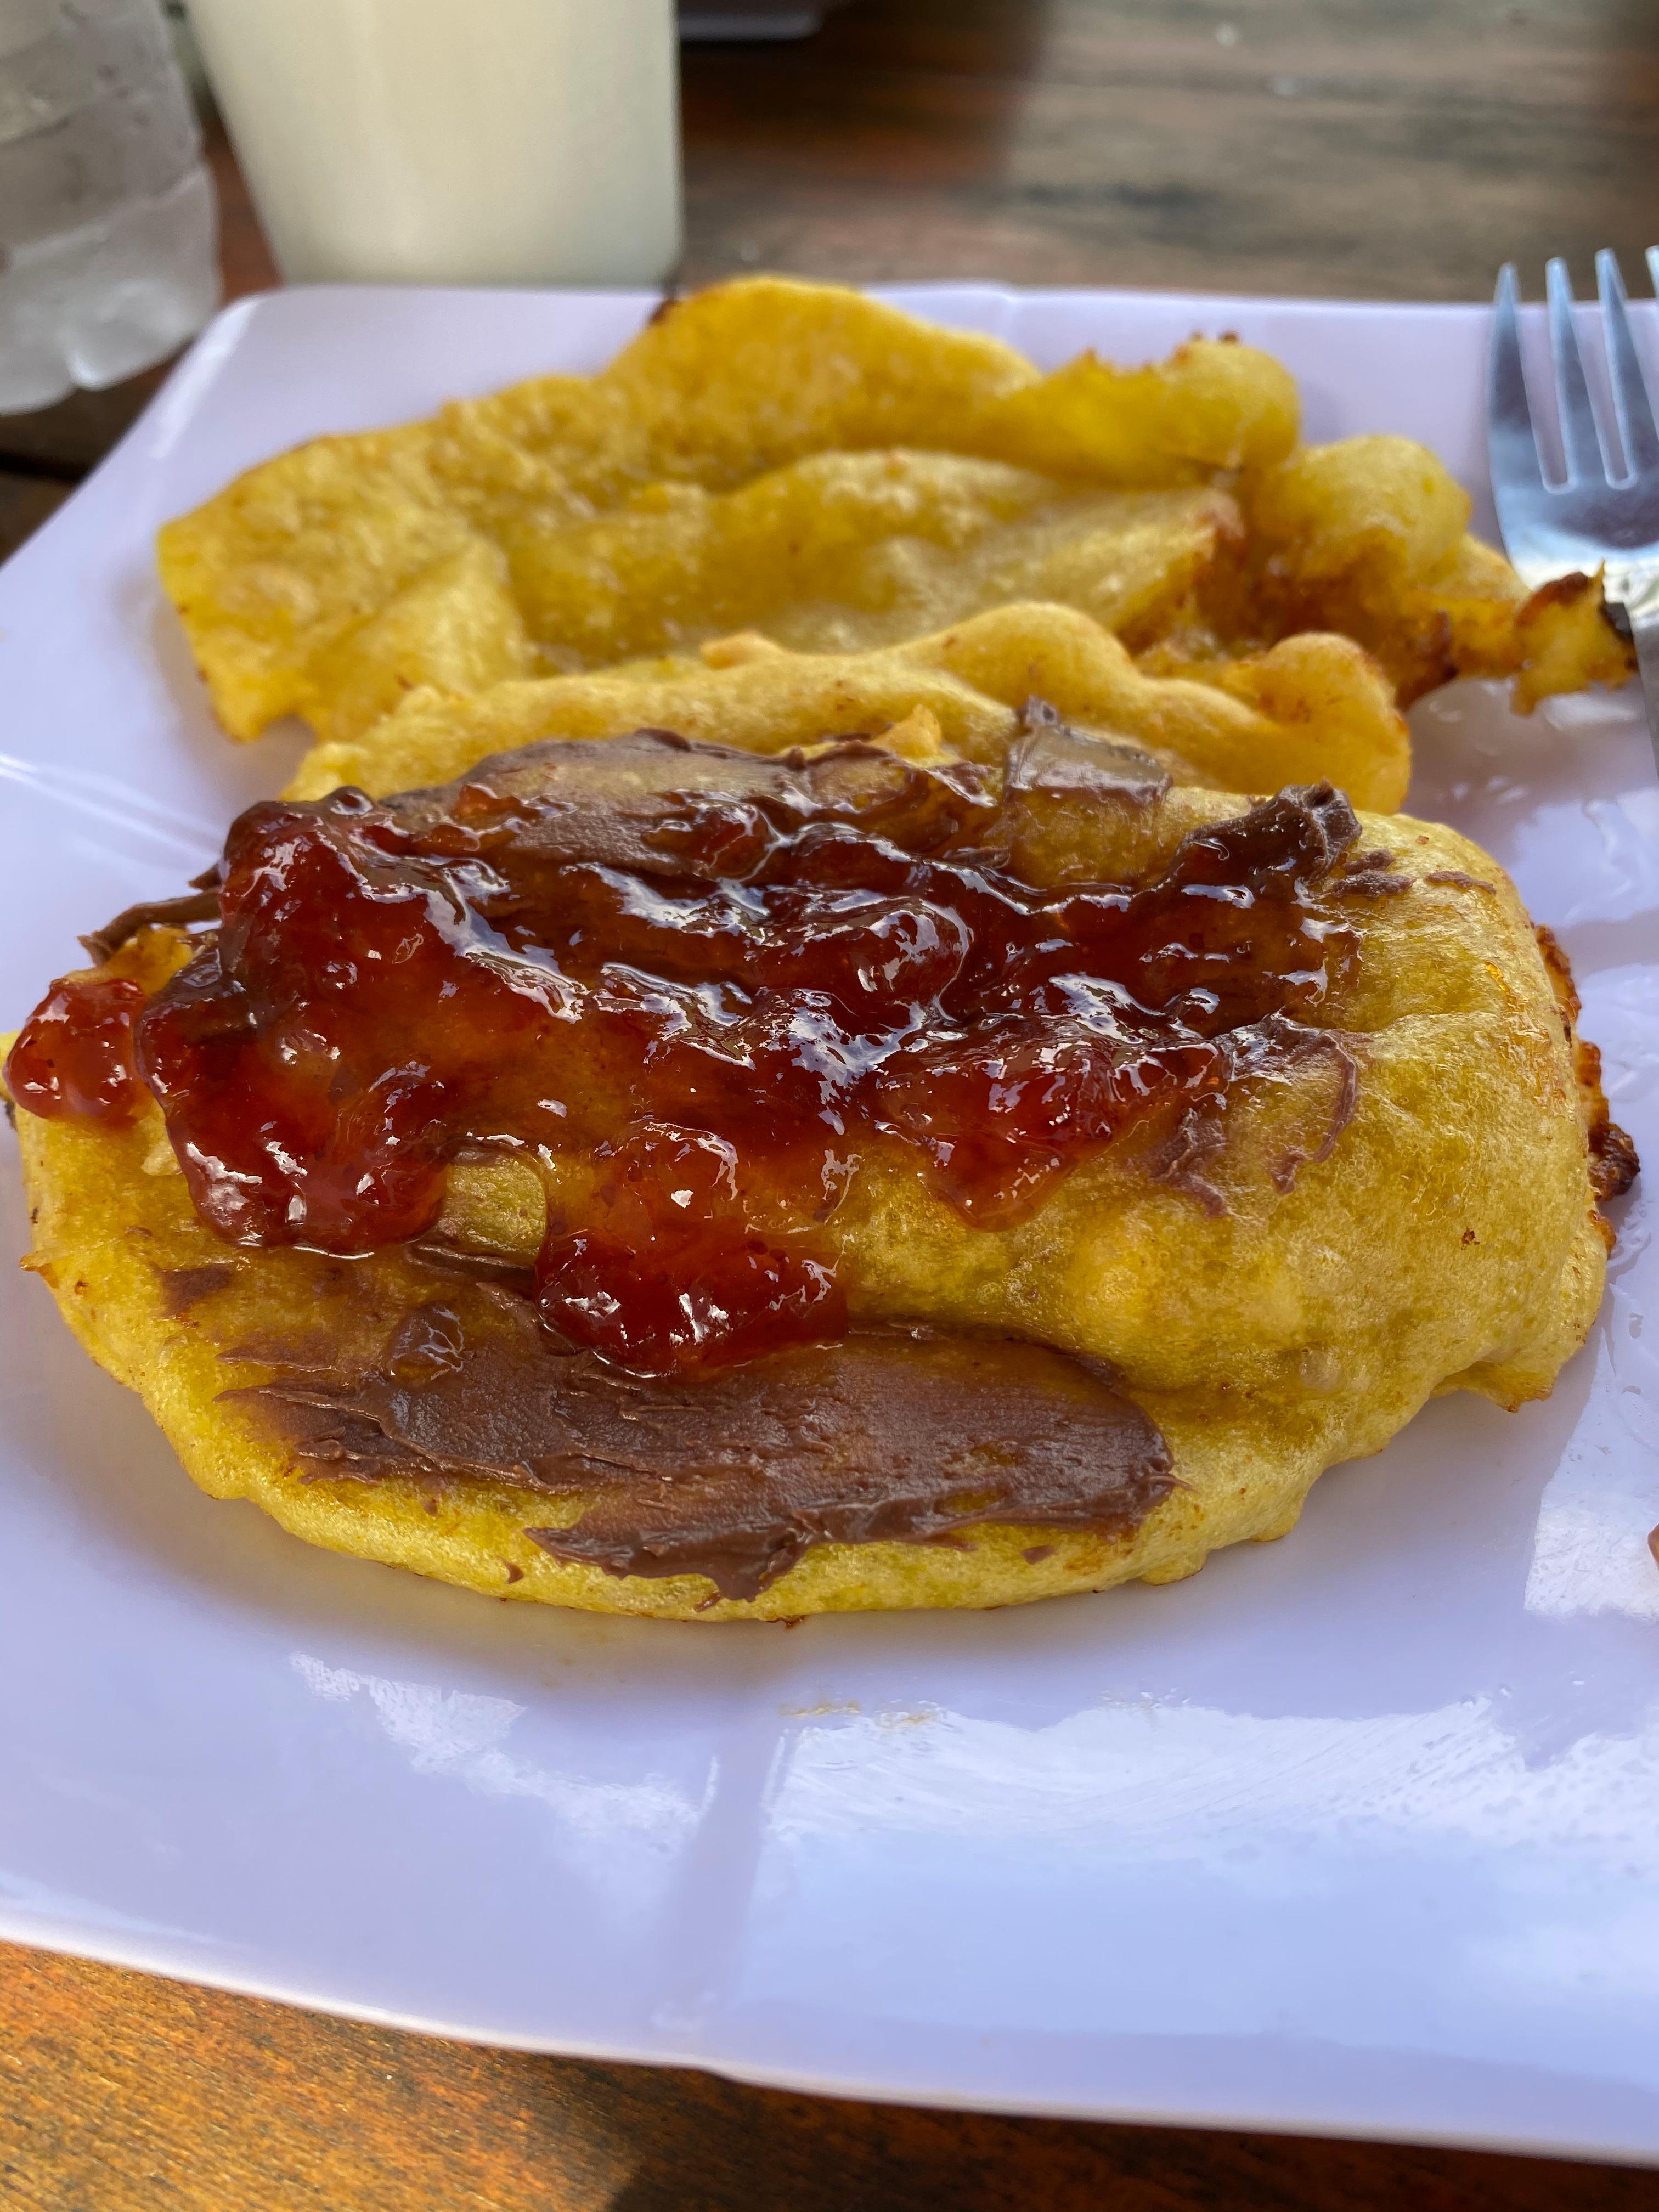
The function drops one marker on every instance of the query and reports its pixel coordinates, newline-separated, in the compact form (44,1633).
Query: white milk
(466,142)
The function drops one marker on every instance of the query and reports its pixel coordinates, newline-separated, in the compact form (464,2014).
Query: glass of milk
(454,141)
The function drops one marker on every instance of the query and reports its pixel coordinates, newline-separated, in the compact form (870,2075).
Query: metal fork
(1594,516)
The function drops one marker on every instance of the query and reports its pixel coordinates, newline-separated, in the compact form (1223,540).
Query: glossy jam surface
(715,982)
(74,1057)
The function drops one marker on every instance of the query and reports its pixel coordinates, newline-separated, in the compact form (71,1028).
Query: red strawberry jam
(73,1057)
(717,982)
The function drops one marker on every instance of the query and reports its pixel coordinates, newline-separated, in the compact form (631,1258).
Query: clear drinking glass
(108,228)
(504,142)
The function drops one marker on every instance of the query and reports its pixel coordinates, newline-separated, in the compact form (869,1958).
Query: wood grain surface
(121,2094)
(1390,148)
(1370,149)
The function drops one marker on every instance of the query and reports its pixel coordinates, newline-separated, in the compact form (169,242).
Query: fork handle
(1645,633)
(1641,606)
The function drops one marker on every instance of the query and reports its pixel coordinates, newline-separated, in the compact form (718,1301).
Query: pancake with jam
(660,1178)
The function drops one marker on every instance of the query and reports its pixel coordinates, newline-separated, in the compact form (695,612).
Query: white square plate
(1357,1833)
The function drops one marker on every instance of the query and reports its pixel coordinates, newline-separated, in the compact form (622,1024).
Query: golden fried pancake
(1369,537)
(1312,707)
(1120,1156)
(801,460)
(441,551)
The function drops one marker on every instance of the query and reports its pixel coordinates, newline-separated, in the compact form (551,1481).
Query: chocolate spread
(199,905)
(736,1473)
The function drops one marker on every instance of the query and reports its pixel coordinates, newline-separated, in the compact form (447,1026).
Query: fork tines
(1588,455)
(1602,512)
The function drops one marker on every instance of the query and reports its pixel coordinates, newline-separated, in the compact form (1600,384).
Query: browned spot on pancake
(183,1287)
(1371,883)
(1457,876)
(1614,1165)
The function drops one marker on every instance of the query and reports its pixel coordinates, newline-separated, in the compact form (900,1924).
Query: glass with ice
(108,233)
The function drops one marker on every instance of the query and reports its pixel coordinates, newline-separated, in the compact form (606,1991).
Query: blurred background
(1373,149)
(1390,149)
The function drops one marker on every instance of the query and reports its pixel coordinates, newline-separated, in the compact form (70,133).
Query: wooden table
(1395,149)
